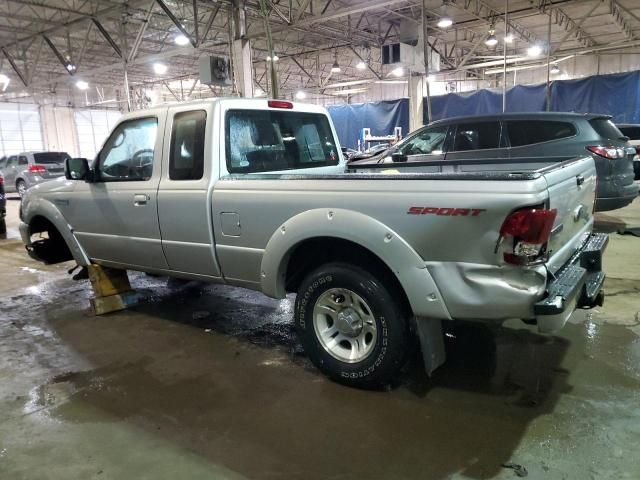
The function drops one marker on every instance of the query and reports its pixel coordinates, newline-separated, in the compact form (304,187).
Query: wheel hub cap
(344,325)
(349,323)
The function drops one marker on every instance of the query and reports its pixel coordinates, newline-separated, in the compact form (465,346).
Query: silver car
(31,168)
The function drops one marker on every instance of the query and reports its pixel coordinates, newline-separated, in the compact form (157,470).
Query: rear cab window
(606,128)
(529,132)
(270,140)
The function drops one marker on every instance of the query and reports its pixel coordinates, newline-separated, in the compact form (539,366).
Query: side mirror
(398,157)
(76,168)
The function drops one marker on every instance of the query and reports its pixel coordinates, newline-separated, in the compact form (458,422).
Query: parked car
(347,152)
(373,258)
(511,138)
(632,131)
(370,152)
(31,168)
(3,208)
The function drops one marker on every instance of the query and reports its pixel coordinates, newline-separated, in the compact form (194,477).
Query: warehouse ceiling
(49,45)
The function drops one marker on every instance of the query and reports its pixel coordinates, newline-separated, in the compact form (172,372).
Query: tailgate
(572,187)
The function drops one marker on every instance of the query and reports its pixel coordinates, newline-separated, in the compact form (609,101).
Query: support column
(241,52)
(416,101)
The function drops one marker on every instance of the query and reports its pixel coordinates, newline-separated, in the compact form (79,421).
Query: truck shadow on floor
(184,366)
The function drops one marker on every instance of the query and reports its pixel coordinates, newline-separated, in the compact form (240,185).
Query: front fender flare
(40,207)
(386,244)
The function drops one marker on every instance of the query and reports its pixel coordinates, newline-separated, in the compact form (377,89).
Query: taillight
(525,233)
(609,151)
(280,104)
(37,169)
(637,147)
(1,180)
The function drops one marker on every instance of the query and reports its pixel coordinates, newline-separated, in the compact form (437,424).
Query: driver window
(427,142)
(128,153)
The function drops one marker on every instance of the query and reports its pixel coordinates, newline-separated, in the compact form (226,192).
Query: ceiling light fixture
(181,40)
(509,38)
(445,22)
(361,65)
(555,69)
(300,95)
(159,68)
(70,67)
(275,58)
(4,81)
(491,40)
(335,68)
(397,72)
(534,50)
(82,85)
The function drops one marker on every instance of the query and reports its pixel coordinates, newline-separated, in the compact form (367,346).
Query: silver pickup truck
(254,193)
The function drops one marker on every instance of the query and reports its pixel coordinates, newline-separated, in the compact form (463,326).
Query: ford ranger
(254,193)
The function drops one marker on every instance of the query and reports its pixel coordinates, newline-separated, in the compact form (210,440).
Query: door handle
(579,180)
(140,199)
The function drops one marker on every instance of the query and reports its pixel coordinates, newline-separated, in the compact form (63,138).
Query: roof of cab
(258,103)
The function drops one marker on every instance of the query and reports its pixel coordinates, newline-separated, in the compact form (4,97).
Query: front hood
(60,184)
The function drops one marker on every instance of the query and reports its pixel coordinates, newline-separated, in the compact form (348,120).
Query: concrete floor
(202,381)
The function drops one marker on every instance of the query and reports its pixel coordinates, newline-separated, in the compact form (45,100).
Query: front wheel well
(312,253)
(51,248)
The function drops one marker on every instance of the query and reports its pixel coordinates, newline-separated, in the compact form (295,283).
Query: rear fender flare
(382,241)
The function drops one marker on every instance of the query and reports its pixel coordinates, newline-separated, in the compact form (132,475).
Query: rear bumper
(578,284)
(627,195)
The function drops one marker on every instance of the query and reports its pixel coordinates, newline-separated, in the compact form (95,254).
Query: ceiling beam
(107,37)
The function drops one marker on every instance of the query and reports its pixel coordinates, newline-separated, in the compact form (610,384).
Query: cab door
(115,217)
(184,211)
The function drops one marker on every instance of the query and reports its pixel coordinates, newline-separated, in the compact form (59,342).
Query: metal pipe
(426,57)
(548,92)
(504,63)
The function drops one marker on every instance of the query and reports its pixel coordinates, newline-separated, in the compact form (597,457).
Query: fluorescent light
(361,65)
(445,22)
(508,38)
(82,85)
(4,80)
(160,68)
(534,50)
(181,40)
(300,95)
(397,72)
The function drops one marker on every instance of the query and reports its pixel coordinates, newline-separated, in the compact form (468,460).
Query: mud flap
(431,343)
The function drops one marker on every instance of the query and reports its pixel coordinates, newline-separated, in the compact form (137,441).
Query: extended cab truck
(254,193)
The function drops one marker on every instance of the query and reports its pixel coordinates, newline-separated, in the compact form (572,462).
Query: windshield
(50,157)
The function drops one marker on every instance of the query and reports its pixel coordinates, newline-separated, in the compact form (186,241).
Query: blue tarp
(380,117)
(521,98)
(615,94)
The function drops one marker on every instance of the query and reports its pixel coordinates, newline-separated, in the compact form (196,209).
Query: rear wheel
(351,325)
(21,187)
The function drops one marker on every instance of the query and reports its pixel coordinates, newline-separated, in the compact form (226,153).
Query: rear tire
(352,326)
(21,187)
